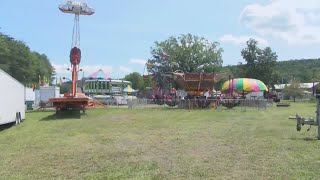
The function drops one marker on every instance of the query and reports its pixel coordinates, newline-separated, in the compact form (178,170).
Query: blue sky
(118,37)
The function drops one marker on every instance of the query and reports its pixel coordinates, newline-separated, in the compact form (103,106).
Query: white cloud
(61,70)
(137,61)
(89,69)
(124,70)
(241,40)
(294,21)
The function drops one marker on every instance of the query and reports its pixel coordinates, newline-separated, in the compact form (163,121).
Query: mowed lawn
(162,144)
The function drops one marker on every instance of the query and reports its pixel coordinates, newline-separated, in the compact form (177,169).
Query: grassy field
(162,144)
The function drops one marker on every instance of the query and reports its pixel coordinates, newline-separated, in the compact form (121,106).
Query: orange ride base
(69,102)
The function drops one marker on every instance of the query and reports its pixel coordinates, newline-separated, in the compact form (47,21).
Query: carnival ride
(195,85)
(74,100)
(236,89)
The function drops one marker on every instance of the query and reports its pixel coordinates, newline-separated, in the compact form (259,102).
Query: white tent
(129,89)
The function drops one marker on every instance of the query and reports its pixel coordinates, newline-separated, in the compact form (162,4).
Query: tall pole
(313,89)
(74,80)
(318,117)
(229,85)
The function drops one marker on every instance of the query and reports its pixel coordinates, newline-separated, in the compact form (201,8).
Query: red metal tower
(74,100)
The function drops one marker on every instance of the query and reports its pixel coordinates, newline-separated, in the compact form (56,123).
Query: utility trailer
(301,121)
(12,96)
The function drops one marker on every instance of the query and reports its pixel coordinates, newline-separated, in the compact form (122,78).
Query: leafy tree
(250,54)
(187,53)
(19,61)
(148,81)
(223,75)
(136,79)
(65,87)
(293,90)
(261,63)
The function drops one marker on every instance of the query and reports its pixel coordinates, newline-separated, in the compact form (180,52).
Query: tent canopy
(129,89)
(99,75)
(244,85)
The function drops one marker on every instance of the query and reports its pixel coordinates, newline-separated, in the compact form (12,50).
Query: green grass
(162,144)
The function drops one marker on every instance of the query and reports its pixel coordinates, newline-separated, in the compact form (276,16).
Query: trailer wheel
(19,115)
(18,118)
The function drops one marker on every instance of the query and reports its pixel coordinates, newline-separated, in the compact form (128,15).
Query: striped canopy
(244,84)
(99,75)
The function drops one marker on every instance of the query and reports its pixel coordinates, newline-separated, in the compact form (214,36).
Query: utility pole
(313,89)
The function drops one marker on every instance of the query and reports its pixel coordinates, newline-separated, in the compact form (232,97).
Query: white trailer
(12,96)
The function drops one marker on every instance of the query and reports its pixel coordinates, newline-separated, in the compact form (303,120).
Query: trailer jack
(301,121)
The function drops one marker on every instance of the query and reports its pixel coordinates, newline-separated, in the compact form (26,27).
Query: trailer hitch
(301,121)
(310,121)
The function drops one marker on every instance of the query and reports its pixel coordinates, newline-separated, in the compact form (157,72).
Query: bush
(313,99)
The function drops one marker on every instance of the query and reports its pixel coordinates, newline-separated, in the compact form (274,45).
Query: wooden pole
(318,117)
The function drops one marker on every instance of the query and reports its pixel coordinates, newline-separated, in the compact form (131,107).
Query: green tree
(148,81)
(136,79)
(65,87)
(261,63)
(187,53)
(301,69)
(19,61)
(250,54)
(222,76)
(293,90)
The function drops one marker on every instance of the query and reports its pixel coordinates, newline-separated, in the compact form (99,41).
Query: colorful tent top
(129,89)
(244,84)
(99,75)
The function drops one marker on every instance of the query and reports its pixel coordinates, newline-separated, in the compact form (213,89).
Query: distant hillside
(300,69)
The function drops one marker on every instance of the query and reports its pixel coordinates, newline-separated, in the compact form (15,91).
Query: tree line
(303,70)
(25,65)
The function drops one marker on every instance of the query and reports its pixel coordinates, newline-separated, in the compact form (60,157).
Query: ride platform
(70,103)
(195,84)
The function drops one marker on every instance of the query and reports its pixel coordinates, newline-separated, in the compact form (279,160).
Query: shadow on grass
(6,126)
(40,111)
(65,115)
(305,139)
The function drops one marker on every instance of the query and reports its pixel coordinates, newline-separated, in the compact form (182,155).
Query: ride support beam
(74,80)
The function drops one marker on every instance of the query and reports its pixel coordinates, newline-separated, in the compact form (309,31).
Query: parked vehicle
(12,95)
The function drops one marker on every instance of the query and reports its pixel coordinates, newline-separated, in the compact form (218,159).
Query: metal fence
(243,104)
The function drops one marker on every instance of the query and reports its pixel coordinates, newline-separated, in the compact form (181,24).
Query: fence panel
(243,104)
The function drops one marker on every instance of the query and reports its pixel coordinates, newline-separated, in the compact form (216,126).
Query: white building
(306,87)
(100,83)
(44,93)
